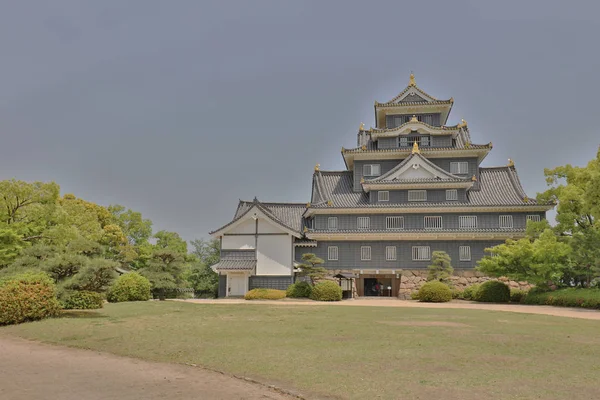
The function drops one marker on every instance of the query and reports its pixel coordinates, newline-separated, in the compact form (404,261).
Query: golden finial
(474,178)
(376,103)
(511,163)
(361,127)
(490,144)
(362,180)
(414,119)
(451,99)
(415,149)
(363,147)
(343,149)
(307,205)
(329,203)
(411,81)
(317,167)
(305,229)
(525,199)
(467,145)
(463,123)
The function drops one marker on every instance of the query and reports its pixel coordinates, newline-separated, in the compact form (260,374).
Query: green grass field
(351,352)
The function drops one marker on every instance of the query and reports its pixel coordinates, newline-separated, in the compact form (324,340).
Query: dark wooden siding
(433,196)
(270,282)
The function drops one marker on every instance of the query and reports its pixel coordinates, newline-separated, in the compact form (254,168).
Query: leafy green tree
(11,245)
(171,240)
(311,267)
(440,268)
(137,229)
(201,277)
(96,275)
(164,271)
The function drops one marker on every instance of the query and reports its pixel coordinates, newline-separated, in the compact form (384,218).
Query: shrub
(265,294)
(299,290)
(469,292)
(129,287)
(457,294)
(82,300)
(570,297)
(414,295)
(516,295)
(435,292)
(493,292)
(326,291)
(27,297)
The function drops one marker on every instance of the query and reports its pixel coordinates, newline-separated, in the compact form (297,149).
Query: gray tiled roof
(289,214)
(497,186)
(372,146)
(448,176)
(240,265)
(479,230)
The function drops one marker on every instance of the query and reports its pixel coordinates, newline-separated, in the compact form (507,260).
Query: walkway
(518,308)
(30,370)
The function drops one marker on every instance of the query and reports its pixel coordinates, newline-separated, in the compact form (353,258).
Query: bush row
(322,291)
(82,300)
(264,294)
(570,297)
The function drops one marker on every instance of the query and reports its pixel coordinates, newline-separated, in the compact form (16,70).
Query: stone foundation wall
(412,280)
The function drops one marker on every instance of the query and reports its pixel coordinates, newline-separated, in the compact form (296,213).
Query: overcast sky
(178,108)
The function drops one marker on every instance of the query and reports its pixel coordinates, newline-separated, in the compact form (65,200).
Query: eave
(412,126)
(400,235)
(426,209)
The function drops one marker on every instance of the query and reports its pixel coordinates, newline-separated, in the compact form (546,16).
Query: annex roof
(235,265)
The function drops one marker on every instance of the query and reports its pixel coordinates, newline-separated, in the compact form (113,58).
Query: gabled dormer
(412,102)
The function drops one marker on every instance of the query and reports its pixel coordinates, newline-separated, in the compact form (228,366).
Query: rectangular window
(534,218)
(363,223)
(394,222)
(506,221)
(467,222)
(332,223)
(424,141)
(421,253)
(390,253)
(403,141)
(365,253)
(383,195)
(451,194)
(332,253)
(464,253)
(417,195)
(371,170)
(432,222)
(460,168)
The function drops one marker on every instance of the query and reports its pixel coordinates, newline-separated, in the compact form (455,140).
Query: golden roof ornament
(474,178)
(363,147)
(317,167)
(305,229)
(467,145)
(414,119)
(307,205)
(525,199)
(411,81)
(362,180)
(343,149)
(361,127)
(511,163)
(415,149)
(329,203)
(490,144)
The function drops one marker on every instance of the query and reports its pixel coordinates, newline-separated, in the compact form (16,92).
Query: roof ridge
(275,202)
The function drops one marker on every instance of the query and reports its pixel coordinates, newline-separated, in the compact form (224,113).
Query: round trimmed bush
(326,291)
(300,289)
(469,292)
(516,295)
(493,292)
(82,300)
(27,297)
(265,294)
(435,292)
(129,287)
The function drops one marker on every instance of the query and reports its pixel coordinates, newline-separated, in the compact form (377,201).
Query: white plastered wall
(274,255)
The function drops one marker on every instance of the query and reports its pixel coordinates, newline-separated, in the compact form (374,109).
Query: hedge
(493,292)
(129,287)
(27,297)
(434,292)
(469,292)
(82,300)
(264,294)
(570,297)
(299,290)
(326,291)
(517,296)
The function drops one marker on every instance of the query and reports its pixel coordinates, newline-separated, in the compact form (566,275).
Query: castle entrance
(377,285)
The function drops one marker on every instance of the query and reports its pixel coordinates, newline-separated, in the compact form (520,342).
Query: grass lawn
(351,352)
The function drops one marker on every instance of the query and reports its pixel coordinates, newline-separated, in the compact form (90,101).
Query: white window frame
(371,169)
(505,222)
(395,222)
(390,253)
(332,226)
(365,225)
(464,253)
(431,223)
(459,167)
(417,195)
(421,253)
(467,222)
(365,253)
(534,218)
(383,195)
(333,253)
(451,195)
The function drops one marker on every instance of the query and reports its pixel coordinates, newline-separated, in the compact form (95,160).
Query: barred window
(332,223)
(464,253)
(451,194)
(332,253)
(363,223)
(421,253)
(390,253)
(460,168)
(534,218)
(394,222)
(417,195)
(365,253)
(433,222)
(383,195)
(506,221)
(467,222)
(371,170)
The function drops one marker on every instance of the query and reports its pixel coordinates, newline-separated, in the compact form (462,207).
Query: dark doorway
(378,286)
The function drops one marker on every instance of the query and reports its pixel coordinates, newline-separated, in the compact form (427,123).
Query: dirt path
(30,370)
(518,308)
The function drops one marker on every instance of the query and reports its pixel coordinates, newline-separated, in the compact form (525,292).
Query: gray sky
(179,108)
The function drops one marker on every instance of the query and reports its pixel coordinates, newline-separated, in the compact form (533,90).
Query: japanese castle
(412,185)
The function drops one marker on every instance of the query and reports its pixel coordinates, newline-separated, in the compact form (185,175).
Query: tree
(137,229)
(311,267)
(440,268)
(10,246)
(164,271)
(201,277)
(171,240)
